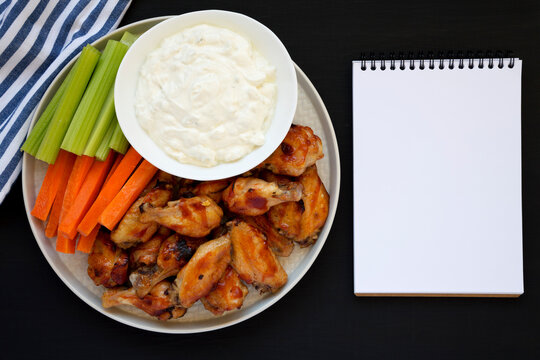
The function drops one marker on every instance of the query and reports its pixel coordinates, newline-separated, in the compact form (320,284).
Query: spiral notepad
(437,177)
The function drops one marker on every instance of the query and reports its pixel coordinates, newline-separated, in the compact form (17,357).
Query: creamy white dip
(206,96)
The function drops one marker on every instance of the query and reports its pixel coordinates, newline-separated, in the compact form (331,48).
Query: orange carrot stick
(117,161)
(85,197)
(116,209)
(50,185)
(78,174)
(109,191)
(65,244)
(87,242)
(54,217)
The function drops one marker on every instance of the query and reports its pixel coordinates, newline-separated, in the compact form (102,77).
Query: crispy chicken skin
(212,189)
(253,260)
(300,149)
(228,294)
(194,217)
(146,253)
(279,244)
(302,221)
(173,254)
(107,264)
(131,231)
(203,271)
(158,302)
(252,196)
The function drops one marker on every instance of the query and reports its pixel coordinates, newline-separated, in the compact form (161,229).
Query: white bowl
(263,39)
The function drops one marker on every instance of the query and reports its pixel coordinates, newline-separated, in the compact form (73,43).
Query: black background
(320,317)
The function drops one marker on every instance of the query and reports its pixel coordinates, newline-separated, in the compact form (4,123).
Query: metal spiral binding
(449,59)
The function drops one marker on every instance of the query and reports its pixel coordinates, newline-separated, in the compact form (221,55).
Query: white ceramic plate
(262,38)
(72,268)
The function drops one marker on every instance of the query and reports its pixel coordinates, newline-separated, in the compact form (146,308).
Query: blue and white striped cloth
(37,39)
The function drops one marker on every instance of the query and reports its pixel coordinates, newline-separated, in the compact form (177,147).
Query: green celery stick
(31,145)
(102,124)
(94,97)
(107,112)
(50,145)
(128,38)
(118,141)
(103,149)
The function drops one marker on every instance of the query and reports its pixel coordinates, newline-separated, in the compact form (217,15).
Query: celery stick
(95,95)
(107,112)
(50,145)
(102,124)
(31,145)
(103,149)
(118,141)
(128,38)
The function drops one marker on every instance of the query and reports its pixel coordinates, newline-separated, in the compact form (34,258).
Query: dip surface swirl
(206,96)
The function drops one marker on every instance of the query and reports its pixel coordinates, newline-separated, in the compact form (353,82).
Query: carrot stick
(87,194)
(65,244)
(116,209)
(109,191)
(78,174)
(87,242)
(54,217)
(117,161)
(50,185)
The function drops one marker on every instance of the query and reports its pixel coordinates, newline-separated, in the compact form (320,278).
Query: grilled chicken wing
(280,245)
(315,201)
(173,254)
(203,271)
(146,253)
(253,260)
(131,231)
(158,302)
(251,196)
(194,217)
(107,264)
(302,221)
(287,218)
(228,294)
(212,189)
(300,149)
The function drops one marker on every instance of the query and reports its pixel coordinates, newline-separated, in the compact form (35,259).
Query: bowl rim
(119,316)
(282,118)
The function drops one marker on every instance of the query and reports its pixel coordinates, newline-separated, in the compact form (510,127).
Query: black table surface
(320,317)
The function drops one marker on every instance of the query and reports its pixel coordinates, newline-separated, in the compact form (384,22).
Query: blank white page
(437,181)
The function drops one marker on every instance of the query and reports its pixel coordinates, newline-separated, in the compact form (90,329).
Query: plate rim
(317,247)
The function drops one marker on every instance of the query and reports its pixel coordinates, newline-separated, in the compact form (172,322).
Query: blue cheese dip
(205,96)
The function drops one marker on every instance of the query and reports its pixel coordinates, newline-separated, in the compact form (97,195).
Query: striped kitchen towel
(37,39)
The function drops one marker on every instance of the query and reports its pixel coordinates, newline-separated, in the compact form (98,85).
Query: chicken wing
(280,245)
(194,217)
(146,253)
(173,254)
(107,264)
(212,188)
(253,260)
(302,220)
(203,271)
(287,218)
(228,294)
(131,231)
(158,302)
(315,200)
(251,196)
(300,149)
